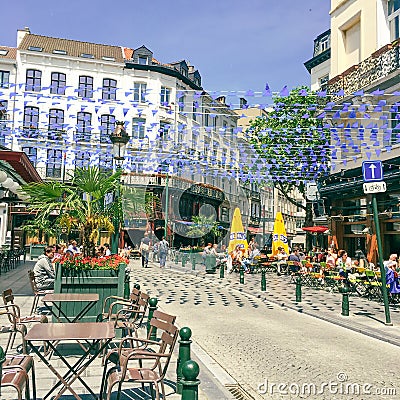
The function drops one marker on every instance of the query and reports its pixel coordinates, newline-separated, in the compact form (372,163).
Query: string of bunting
(372,127)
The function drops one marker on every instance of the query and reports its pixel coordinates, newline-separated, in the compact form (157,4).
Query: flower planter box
(36,250)
(105,282)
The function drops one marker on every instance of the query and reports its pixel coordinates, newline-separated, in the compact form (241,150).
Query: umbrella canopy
(238,236)
(279,238)
(315,229)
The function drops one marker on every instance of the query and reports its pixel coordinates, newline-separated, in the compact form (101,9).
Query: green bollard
(345,301)
(263,280)
(183,356)
(193,261)
(298,290)
(190,383)
(184,259)
(2,359)
(241,275)
(152,307)
(221,270)
(176,258)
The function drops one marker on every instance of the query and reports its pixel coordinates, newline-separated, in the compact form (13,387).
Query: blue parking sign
(372,171)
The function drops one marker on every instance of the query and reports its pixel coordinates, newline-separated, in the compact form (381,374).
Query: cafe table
(97,334)
(54,301)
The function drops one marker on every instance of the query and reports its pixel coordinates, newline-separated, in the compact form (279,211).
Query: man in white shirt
(107,249)
(282,259)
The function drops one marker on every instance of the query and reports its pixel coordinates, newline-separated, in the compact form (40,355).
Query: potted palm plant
(84,205)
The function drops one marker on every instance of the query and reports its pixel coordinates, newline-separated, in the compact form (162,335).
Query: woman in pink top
(331,258)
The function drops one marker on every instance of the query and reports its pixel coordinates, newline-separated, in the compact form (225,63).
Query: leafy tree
(292,144)
(43,229)
(83,204)
(202,226)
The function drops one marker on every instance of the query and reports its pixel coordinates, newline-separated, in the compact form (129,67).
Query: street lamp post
(119,139)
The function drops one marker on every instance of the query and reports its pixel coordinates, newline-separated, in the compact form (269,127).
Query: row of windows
(84,124)
(54,160)
(85,86)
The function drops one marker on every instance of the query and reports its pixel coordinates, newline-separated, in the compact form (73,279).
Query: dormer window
(142,56)
(143,60)
(3,52)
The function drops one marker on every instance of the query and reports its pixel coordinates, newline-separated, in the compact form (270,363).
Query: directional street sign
(374,187)
(312,191)
(372,171)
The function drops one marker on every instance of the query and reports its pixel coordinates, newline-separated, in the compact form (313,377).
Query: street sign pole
(380,256)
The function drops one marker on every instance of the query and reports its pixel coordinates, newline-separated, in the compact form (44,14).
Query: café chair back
(17,379)
(24,363)
(9,324)
(112,304)
(37,293)
(152,365)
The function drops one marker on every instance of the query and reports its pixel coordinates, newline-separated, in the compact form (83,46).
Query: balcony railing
(379,65)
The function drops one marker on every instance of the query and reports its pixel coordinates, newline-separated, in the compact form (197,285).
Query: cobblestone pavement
(262,343)
(17,279)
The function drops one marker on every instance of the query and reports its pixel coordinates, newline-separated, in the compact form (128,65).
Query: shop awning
(255,230)
(315,229)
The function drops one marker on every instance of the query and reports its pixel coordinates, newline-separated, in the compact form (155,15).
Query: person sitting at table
(237,257)
(73,247)
(43,270)
(58,253)
(100,252)
(282,259)
(107,251)
(331,258)
(344,265)
(392,262)
(294,255)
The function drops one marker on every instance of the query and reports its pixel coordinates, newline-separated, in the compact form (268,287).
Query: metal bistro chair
(133,343)
(156,361)
(24,363)
(37,293)
(9,324)
(17,379)
(113,304)
(8,299)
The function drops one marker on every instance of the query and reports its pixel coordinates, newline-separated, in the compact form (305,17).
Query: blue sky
(236,45)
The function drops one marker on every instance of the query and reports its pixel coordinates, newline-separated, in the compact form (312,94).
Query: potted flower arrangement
(105,276)
(81,263)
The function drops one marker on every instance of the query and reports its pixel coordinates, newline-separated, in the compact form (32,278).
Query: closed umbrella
(279,238)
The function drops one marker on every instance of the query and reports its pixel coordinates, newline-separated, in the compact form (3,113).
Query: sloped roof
(11,52)
(73,48)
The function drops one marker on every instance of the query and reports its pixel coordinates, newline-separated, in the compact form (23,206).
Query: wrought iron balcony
(368,72)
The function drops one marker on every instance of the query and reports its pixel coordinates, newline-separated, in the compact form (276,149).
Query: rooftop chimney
(21,34)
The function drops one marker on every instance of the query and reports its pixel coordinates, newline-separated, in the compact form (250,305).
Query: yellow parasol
(279,238)
(238,235)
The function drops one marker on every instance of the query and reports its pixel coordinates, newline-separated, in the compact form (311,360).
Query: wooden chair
(17,379)
(37,293)
(24,363)
(157,362)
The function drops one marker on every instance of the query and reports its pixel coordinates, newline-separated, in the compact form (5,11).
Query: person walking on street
(43,270)
(163,248)
(144,249)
